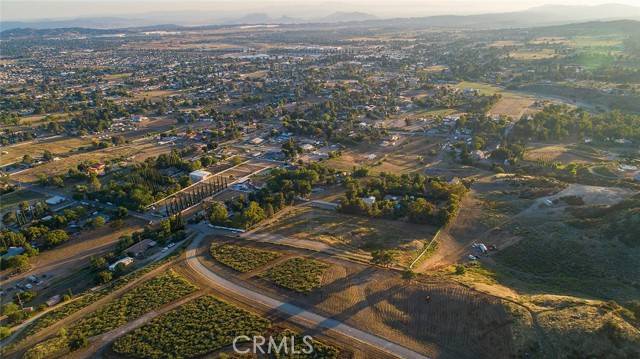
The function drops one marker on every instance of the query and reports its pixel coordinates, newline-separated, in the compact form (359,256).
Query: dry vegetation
(60,145)
(242,259)
(340,230)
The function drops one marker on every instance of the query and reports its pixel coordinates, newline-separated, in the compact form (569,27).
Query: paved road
(296,313)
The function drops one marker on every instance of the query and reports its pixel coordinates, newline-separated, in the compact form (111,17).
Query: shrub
(193,330)
(242,259)
(298,274)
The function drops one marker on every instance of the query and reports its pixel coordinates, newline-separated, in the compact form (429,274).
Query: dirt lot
(138,151)
(454,322)
(513,106)
(404,157)
(58,145)
(357,233)
(541,54)
(154,94)
(557,153)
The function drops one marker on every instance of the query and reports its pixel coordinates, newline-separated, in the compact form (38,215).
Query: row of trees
(194,195)
(560,122)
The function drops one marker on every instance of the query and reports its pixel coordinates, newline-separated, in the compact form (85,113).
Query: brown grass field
(513,106)
(526,55)
(154,94)
(455,322)
(139,152)
(404,157)
(556,153)
(340,230)
(60,145)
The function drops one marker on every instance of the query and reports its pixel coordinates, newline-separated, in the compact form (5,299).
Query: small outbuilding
(126,261)
(199,175)
(55,200)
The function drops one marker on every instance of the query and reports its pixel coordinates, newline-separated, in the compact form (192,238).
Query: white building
(257,140)
(55,200)
(199,175)
(369,201)
(307,147)
(126,261)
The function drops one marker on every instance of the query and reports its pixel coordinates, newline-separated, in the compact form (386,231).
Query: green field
(193,330)
(242,259)
(298,274)
(142,299)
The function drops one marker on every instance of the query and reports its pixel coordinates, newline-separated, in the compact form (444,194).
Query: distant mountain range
(184,19)
(538,16)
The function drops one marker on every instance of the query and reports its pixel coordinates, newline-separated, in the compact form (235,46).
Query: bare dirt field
(57,145)
(454,241)
(153,95)
(541,54)
(557,153)
(340,230)
(591,195)
(139,152)
(513,106)
(404,157)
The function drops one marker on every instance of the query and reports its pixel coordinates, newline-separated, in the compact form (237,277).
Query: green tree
(94,183)
(421,211)
(27,159)
(57,181)
(20,263)
(382,257)
(253,214)
(4,332)
(122,212)
(97,222)
(218,214)
(47,156)
(104,276)
(408,275)
(268,210)
(78,341)
(55,237)
(291,149)
(98,263)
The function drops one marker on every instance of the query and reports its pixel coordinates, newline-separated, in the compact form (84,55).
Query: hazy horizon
(219,9)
